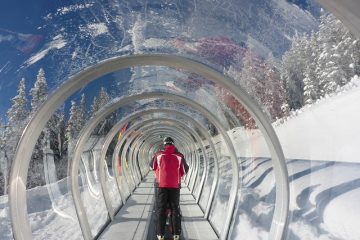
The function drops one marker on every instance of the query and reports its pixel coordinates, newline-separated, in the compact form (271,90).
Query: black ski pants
(169,196)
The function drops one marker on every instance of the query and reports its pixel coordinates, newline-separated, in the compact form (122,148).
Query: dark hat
(168,140)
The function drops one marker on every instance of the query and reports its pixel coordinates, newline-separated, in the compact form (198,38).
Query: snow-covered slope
(326,130)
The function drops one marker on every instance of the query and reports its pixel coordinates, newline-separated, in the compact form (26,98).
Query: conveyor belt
(132,220)
(136,219)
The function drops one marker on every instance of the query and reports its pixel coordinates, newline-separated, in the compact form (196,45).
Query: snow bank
(326,130)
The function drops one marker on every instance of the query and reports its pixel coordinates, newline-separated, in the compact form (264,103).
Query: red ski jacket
(169,166)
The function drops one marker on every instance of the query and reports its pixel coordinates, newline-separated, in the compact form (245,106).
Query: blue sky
(21,35)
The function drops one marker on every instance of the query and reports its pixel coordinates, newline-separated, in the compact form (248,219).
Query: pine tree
(355,56)
(72,128)
(332,66)
(348,49)
(62,158)
(82,113)
(36,168)
(17,115)
(274,93)
(39,91)
(104,125)
(71,133)
(311,82)
(294,63)
(95,106)
(18,111)
(61,133)
(99,101)
(4,170)
(104,97)
(310,94)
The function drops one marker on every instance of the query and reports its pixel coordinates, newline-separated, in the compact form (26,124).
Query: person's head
(168,141)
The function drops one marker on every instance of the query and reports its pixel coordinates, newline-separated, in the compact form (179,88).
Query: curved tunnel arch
(177,131)
(210,142)
(188,151)
(33,129)
(85,133)
(106,144)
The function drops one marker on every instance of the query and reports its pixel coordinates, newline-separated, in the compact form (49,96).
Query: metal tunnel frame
(17,190)
(130,141)
(189,155)
(216,170)
(193,133)
(146,125)
(158,120)
(109,137)
(168,130)
(107,110)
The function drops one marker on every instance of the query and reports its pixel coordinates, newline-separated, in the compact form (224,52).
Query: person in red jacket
(170,166)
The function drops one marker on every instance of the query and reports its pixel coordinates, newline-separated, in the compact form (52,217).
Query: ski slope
(325,130)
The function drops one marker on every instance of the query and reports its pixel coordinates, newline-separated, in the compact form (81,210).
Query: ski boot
(160,237)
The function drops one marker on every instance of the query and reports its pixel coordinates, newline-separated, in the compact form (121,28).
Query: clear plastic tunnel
(260,96)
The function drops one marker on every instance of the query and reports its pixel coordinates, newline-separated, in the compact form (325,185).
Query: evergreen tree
(339,54)
(328,70)
(4,171)
(95,106)
(310,93)
(36,167)
(18,112)
(82,113)
(72,128)
(294,63)
(17,115)
(98,102)
(310,81)
(72,131)
(61,133)
(274,95)
(61,158)
(104,97)
(39,91)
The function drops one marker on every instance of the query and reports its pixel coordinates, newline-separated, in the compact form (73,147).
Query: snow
(57,43)
(342,219)
(171,85)
(320,143)
(95,29)
(322,131)
(156,43)
(72,8)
